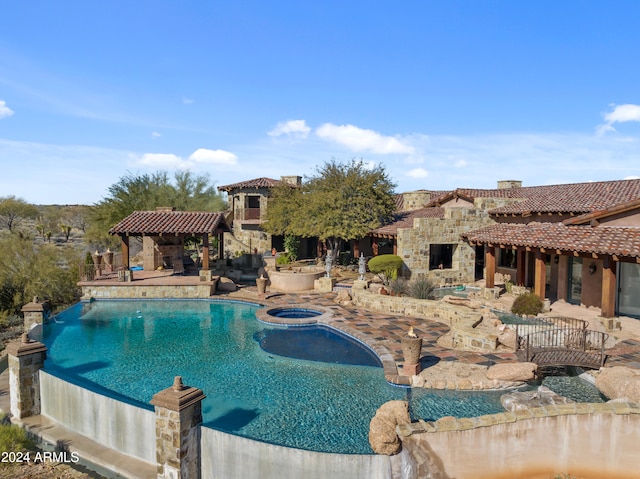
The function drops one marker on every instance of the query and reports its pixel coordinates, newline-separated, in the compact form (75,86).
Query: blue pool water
(294,313)
(133,349)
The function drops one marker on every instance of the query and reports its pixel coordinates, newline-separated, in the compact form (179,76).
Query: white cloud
(622,113)
(619,114)
(5,111)
(201,156)
(291,128)
(187,101)
(162,160)
(417,173)
(362,140)
(215,157)
(632,177)
(460,164)
(155,134)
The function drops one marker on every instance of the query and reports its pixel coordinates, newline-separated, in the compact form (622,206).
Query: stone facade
(414,245)
(26,359)
(178,419)
(170,291)
(35,313)
(162,251)
(465,334)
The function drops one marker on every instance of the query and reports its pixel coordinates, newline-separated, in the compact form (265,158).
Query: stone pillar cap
(25,346)
(178,396)
(35,306)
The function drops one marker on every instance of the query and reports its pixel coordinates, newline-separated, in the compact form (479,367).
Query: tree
(145,193)
(341,203)
(28,270)
(13,209)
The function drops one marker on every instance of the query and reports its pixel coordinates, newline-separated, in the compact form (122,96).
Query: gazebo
(163,232)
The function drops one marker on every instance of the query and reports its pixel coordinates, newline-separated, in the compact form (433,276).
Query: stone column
(178,419)
(26,358)
(34,314)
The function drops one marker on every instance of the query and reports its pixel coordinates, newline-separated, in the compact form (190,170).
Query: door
(575,280)
(629,290)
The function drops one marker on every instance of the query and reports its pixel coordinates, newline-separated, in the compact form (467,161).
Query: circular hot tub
(294,314)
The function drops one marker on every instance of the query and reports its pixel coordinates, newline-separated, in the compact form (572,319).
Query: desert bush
(385,266)
(13,438)
(398,287)
(527,304)
(421,288)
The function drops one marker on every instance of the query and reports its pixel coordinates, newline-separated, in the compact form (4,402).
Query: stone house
(248,202)
(577,242)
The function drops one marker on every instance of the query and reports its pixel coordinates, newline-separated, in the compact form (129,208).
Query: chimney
(507,184)
(292,180)
(165,209)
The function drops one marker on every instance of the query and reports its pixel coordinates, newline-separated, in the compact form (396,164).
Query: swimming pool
(132,349)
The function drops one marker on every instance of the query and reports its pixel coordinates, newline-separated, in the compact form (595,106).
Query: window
(441,256)
(508,258)
(253,201)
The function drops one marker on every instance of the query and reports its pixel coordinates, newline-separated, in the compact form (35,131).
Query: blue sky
(444,94)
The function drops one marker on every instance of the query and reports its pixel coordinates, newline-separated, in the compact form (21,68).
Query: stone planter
(411,349)
(262,285)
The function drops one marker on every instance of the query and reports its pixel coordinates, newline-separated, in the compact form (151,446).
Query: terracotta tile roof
(255,183)
(405,220)
(612,240)
(572,198)
(567,198)
(601,214)
(170,222)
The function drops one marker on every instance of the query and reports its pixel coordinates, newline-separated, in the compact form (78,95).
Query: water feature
(460,291)
(132,349)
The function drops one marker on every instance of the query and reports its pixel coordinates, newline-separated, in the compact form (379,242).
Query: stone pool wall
(169,291)
(462,320)
(596,441)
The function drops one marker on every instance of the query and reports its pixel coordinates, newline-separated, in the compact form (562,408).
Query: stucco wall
(591,441)
(591,283)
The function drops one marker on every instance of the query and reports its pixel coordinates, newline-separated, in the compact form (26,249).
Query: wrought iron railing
(561,341)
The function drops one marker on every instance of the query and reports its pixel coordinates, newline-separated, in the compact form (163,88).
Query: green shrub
(398,287)
(291,244)
(13,438)
(283,258)
(421,288)
(385,266)
(345,258)
(527,304)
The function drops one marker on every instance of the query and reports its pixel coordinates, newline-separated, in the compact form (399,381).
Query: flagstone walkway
(376,328)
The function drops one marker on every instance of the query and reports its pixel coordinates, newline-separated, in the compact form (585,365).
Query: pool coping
(329,318)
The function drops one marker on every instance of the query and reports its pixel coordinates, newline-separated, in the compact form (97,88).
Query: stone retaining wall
(127,291)
(462,320)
